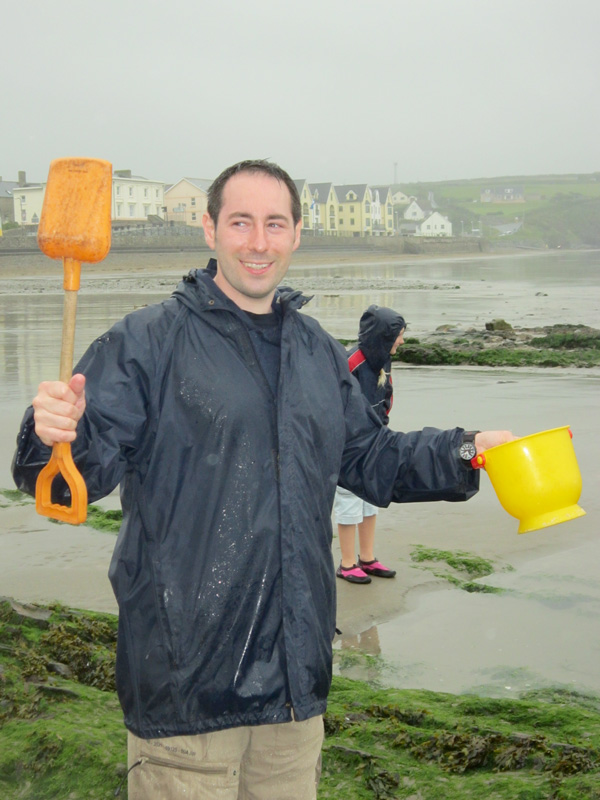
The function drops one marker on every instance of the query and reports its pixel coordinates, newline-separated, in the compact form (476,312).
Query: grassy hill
(559,210)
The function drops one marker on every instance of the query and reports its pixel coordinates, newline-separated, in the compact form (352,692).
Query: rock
(60,669)
(498,325)
(39,616)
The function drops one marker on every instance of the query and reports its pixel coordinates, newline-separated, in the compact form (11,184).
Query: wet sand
(45,562)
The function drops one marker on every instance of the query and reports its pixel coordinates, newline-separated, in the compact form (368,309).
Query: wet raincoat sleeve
(384,466)
(118,367)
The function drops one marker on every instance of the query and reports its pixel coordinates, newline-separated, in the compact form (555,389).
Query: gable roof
(300,184)
(7,188)
(383,191)
(321,190)
(359,190)
(200,183)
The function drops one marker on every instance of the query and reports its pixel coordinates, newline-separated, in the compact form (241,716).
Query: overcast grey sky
(332,90)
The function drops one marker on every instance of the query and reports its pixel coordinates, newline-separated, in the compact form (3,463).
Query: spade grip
(74,226)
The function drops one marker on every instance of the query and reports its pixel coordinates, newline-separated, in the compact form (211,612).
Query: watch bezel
(467,449)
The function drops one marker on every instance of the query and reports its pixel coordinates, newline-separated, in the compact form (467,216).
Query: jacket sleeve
(119,367)
(384,466)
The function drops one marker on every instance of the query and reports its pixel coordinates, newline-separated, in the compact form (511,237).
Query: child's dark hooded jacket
(378,330)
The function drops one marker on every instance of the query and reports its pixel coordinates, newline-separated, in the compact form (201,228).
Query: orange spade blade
(75,220)
(61,461)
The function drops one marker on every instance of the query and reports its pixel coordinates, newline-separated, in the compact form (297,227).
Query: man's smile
(256,266)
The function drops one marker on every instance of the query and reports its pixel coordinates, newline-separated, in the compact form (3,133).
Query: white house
(434,225)
(135,198)
(413,211)
(186,200)
(27,200)
(400,199)
(382,211)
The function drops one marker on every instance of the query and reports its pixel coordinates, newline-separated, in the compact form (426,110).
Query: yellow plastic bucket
(537,478)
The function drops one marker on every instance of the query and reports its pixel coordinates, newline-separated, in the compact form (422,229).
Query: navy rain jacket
(223,568)
(378,330)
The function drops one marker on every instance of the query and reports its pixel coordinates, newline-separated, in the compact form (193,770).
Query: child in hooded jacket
(380,334)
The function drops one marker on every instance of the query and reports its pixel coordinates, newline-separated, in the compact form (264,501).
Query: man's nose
(258,240)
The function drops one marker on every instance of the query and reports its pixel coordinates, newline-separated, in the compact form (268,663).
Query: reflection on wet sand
(414,631)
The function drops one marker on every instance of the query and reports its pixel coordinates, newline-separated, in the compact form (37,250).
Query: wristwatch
(467,450)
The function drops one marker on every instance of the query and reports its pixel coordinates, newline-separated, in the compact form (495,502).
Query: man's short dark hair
(215,192)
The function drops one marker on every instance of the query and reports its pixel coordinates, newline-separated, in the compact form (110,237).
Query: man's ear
(209,230)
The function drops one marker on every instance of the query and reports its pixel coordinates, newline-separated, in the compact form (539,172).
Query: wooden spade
(74,226)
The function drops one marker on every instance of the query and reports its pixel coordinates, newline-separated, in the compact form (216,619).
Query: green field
(559,210)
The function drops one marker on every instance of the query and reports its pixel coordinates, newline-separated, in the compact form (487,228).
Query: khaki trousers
(263,762)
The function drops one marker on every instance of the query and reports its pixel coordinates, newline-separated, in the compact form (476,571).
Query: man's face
(254,239)
(399,341)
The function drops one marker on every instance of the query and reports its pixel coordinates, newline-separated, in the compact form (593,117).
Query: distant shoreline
(32,263)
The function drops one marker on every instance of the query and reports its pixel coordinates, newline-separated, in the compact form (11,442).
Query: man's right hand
(57,408)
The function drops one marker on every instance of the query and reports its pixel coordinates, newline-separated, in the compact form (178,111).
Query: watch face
(467,451)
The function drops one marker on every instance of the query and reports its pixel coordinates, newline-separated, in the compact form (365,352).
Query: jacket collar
(199,291)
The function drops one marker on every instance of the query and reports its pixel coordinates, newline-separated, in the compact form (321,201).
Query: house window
(193,216)
(145,191)
(119,209)
(389,210)
(118,190)
(352,221)
(367,208)
(131,209)
(131,191)
(157,193)
(340,208)
(146,210)
(341,221)
(193,201)
(352,209)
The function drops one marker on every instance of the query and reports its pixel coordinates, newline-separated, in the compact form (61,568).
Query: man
(228,418)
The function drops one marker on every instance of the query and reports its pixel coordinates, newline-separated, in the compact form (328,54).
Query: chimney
(22,179)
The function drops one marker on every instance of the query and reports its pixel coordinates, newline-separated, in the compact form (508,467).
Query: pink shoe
(354,574)
(375,568)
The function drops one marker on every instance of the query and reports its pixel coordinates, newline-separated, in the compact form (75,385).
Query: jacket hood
(378,330)
(198,291)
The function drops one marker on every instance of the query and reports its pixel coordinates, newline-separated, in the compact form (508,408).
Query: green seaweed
(61,737)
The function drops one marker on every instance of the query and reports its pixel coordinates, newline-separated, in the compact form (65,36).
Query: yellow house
(354,209)
(185,201)
(306,204)
(324,209)
(382,211)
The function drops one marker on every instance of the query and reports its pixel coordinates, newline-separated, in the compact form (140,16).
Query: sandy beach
(44,562)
